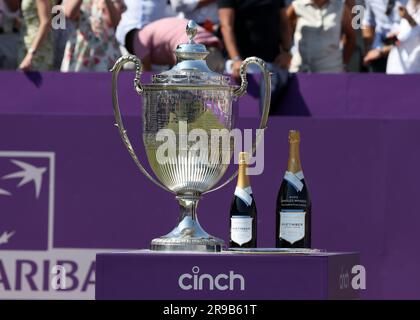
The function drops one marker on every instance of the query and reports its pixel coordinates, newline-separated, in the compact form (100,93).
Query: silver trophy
(192,96)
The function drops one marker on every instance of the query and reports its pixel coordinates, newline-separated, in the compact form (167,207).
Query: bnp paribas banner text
(30,266)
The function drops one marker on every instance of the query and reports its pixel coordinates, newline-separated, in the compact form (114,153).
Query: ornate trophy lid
(191,67)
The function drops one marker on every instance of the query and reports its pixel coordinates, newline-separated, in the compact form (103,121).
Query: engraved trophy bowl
(181,104)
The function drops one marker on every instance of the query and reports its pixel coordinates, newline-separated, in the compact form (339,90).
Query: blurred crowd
(292,36)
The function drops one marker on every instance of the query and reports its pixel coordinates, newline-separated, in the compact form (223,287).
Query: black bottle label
(241,219)
(293,212)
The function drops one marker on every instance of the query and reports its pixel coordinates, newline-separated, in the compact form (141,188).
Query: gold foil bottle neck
(294,164)
(294,136)
(243,158)
(243,179)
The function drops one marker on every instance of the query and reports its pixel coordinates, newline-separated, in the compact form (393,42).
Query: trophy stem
(188,235)
(188,206)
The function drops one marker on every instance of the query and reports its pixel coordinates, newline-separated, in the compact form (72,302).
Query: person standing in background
(9,33)
(319,26)
(156,42)
(151,31)
(257,28)
(404,57)
(36,52)
(60,37)
(380,20)
(355,64)
(203,12)
(92,45)
(138,14)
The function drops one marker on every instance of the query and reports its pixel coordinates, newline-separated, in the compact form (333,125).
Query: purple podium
(145,275)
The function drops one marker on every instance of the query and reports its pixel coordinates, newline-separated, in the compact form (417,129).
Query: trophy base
(187,236)
(196,245)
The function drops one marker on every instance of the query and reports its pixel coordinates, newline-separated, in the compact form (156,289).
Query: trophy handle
(239,92)
(119,122)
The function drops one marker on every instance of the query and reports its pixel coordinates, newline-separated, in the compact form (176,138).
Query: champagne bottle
(293,213)
(243,212)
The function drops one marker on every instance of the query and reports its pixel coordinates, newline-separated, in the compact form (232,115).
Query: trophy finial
(191,50)
(191,30)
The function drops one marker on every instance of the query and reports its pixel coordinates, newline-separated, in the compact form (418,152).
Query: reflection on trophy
(189,96)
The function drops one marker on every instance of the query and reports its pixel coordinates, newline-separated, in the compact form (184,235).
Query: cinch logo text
(205,281)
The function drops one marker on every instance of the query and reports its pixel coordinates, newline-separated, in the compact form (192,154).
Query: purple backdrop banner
(359,153)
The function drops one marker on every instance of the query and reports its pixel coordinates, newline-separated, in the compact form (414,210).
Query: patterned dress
(92,45)
(43,57)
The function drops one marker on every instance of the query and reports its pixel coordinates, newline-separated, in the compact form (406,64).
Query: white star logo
(6,236)
(28,174)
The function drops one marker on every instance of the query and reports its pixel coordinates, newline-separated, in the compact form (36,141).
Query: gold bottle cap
(243,157)
(294,136)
